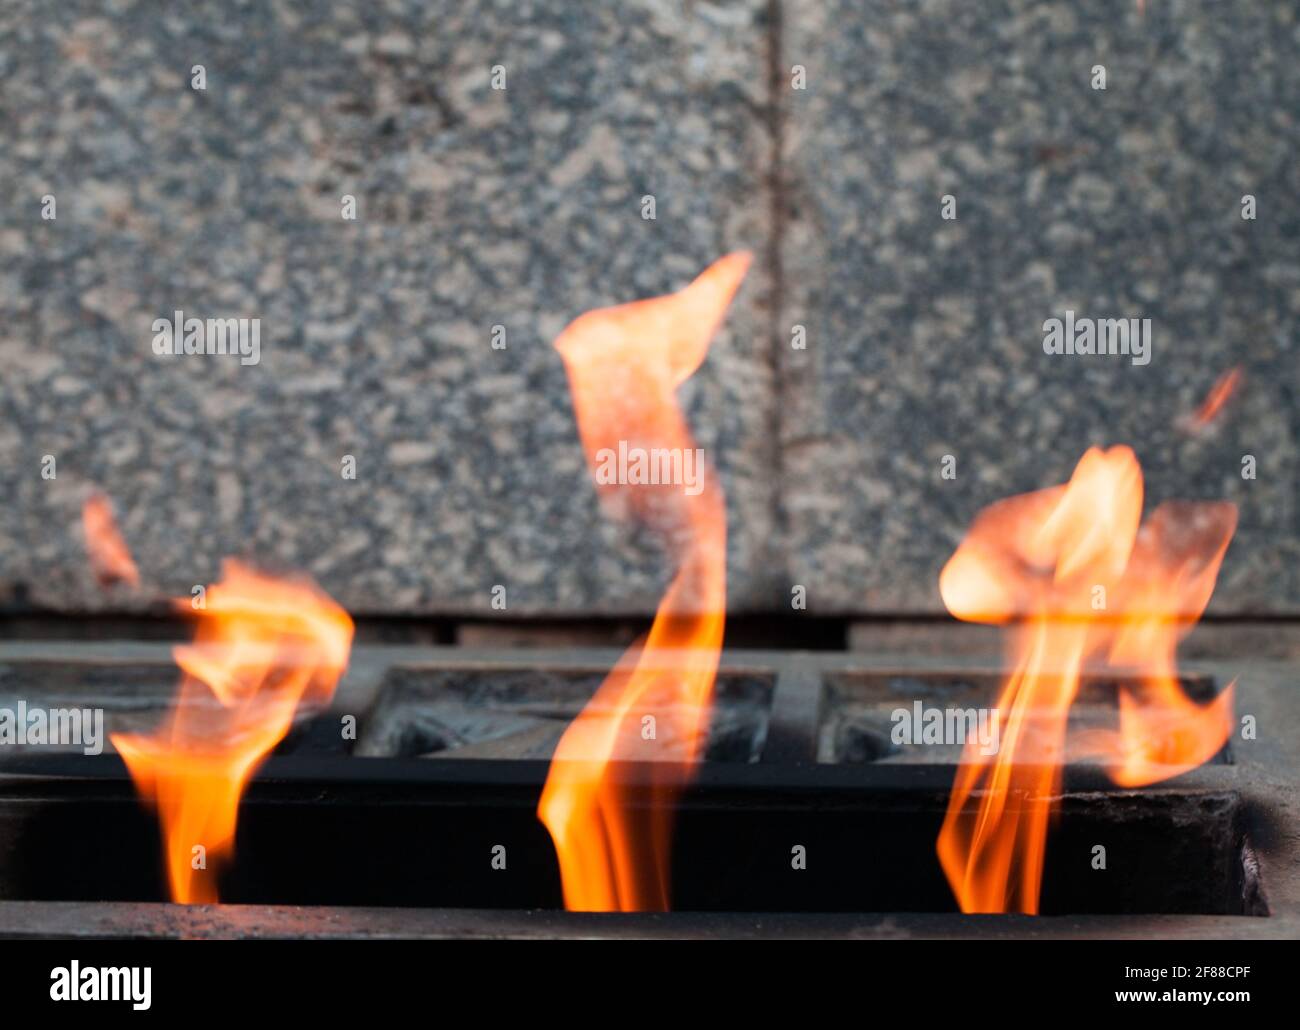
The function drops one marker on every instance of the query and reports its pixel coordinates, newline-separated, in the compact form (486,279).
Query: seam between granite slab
(778,202)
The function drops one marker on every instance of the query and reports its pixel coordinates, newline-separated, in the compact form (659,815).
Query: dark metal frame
(1264,776)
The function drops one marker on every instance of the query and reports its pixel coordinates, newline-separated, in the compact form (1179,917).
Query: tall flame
(110,558)
(1078,578)
(263,647)
(624,365)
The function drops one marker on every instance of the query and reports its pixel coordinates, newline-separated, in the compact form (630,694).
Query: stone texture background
(521,208)
(925,336)
(476,207)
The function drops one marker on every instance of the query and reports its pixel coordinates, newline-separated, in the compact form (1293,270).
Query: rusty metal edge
(116,920)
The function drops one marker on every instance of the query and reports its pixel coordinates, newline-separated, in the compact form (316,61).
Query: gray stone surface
(924,335)
(476,207)
(521,208)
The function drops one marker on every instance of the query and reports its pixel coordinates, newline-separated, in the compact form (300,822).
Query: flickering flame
(1078,579)
(1220,393)
(624,365)
(263,647)
(110,558)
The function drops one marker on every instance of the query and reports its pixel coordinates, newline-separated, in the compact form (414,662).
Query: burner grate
(406,816)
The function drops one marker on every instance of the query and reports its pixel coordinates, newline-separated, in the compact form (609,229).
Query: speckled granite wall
(522,208)
(925,335)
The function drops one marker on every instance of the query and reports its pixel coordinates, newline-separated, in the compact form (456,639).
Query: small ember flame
(1077,579)
(109,556)
(263,647)
(1220,393)
(624,365)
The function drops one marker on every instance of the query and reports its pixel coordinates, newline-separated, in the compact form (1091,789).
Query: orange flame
(263,647)
(624,365)
(1078,578)
(109,556)
(1220,393)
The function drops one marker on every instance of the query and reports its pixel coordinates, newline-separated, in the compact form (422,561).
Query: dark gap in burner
(870,848)
(135,698)
(521,714)
(802,632)
(856,721)
(453,713)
